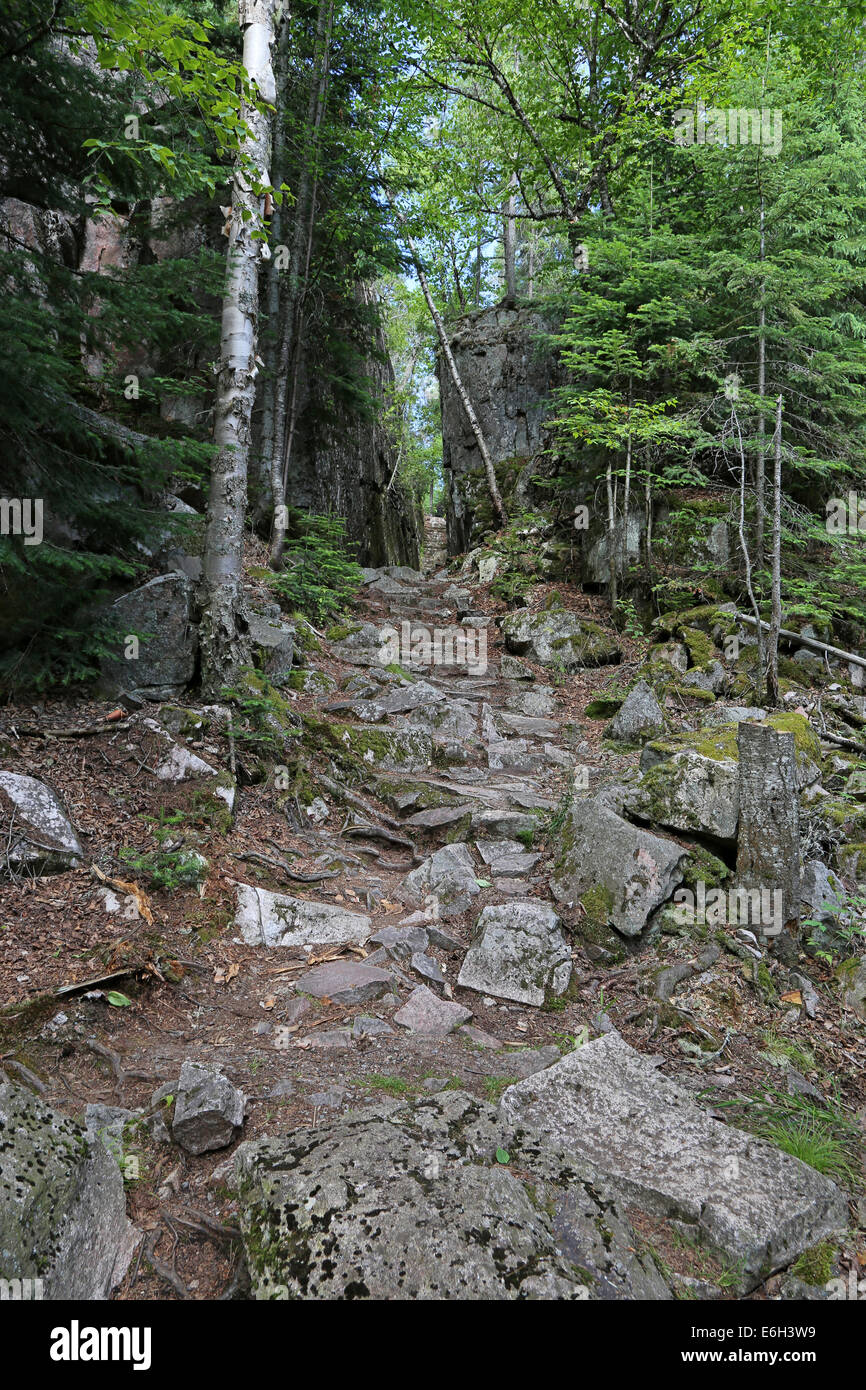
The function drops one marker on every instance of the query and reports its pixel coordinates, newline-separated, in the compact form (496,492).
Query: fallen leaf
(269,1002)
(792,997)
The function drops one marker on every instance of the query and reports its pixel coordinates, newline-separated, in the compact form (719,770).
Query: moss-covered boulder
(557,637)
(62,1202)
(616,872)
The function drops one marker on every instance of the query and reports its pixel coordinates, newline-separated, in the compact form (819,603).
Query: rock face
(62,1203)
(36,831)
(753,1206)
(209,1110)
(618,872)
(273,643)
(556,637)
(342,460)
(508,379)
(272,919)
(518,952)
(413,1204)
(160,613)
(768,848)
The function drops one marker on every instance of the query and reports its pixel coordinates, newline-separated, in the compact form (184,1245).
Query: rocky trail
(375,957)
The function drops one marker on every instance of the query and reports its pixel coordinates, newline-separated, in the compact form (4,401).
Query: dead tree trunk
(776,611)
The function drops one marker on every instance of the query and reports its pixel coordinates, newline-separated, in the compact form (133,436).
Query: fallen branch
(811,642)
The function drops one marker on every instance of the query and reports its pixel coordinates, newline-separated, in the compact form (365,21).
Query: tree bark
(776,612)
(223,648)
(509,243)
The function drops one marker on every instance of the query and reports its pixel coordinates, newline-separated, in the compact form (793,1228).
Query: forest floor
(198,991)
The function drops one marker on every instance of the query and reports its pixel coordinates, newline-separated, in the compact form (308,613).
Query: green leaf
(503,1156)
(120,1001)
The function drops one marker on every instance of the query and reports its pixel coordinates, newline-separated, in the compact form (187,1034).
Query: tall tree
(223,648)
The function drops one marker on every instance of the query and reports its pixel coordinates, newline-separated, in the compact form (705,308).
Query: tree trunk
(762,391)
(611,538)
(776,613)
(489,471)
(759,681)
(509,243)
(223,648)
(275,270)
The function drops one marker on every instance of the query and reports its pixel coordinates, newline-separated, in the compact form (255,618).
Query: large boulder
(35,831)
(753,1206)
(62,1202)
(691,792)
(639,717)
(618,872)
(438,1200)
(161,663)
(557,637)
(518,951)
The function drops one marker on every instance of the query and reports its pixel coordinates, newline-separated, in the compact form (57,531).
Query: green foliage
(319,577)
(172,864)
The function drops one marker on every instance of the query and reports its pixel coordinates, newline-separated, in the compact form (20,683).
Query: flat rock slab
(36,831)
(272,919)
(411,1203)
(506,856)
(209,1110)
(518,951)
(346,982)
(424,1012)
(438,816)
(752,1205)
(62,1203)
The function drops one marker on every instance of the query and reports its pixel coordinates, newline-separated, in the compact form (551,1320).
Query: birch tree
(223,648)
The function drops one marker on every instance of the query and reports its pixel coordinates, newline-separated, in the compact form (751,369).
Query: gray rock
(519,952)
(35,829)
(424,1012)
(536,703)
(732,714)
(692,792)
(400,942)
(427,968)
(437,816)
(853,976)
(557,637)
(448,876)
(513,670)
(208,1111)
(107,1123)
(160,614)
(755,1207)
(62,1203)
(272,919)
(412,1204)
(506,856)
(502,825)
(821,890)
(639,717)
(273,644)
(620,872)
(443,940)
(346,982)
(366,1027)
